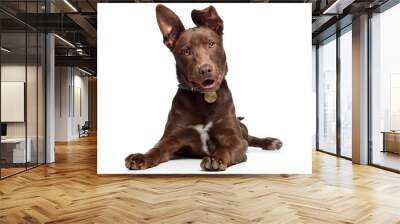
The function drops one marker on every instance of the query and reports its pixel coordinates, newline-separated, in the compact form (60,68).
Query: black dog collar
(184,87)
(209,97)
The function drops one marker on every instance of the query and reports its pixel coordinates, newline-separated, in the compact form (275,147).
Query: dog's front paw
(272,144)
(213,163)
(136,161)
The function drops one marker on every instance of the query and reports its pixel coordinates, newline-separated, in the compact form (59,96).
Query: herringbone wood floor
(70,191)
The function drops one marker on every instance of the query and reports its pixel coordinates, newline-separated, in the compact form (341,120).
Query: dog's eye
(186,51)
(211,44)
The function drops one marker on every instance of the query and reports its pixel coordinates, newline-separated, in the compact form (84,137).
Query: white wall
(80,118)
(62,82)
(16,73)
(70,83)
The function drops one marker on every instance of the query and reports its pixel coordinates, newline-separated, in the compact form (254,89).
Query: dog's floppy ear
(170,25)
(208,17)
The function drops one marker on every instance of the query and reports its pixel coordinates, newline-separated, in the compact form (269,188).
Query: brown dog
(202,122)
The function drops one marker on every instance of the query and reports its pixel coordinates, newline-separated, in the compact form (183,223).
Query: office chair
(84,130)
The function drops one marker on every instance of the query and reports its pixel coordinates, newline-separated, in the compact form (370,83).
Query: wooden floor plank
(70,191)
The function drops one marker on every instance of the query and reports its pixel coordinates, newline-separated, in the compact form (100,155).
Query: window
(385,89)
(327,96)
(346,93)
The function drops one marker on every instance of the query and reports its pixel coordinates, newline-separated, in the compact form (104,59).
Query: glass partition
(22,101)
(15,152)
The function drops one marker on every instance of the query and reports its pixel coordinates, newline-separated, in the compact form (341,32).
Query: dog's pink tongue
(207,83)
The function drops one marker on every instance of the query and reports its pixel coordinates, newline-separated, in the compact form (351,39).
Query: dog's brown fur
(201,65)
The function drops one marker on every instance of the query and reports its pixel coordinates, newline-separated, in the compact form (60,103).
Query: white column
(50,92)
(360,90)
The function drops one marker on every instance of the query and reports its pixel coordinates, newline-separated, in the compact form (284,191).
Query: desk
(13,150)
(391,141)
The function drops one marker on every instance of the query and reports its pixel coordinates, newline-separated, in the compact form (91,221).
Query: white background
(268,49)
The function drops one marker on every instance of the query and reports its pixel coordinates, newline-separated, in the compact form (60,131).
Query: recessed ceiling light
(65,41)
(70,5)
(338,6)
(5,50)
(84,71)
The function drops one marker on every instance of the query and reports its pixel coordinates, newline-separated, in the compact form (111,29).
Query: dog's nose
(205,69)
